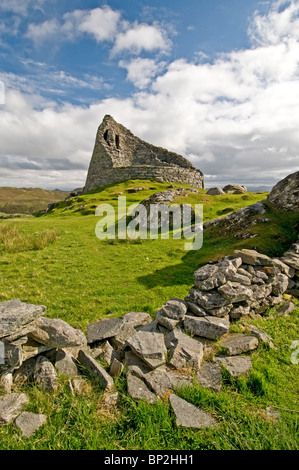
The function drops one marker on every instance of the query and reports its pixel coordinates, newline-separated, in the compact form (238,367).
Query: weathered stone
(56,333)
(280,284)
(66,363)
(29,423)
(291,259)
(234,189)
(94,368)
(185,352)
(238,344)
(209,376)
(239,311)
(33,348)
(208,327)
(286,308)
(253,258)
(215,191)
(139,390)
(244,272)
(241,279)
(208,300)
(6,382)
(149,346)
(11,406)
(285,194)
(167,322)
(212,276)
(197,310)
(116,368)
(103,329)
(236,365)
(14,315)
(106,353)
(159,381)
(25,372)
(152,327)
(260,334)
(284,268)
(119,341)
(13,358)
(234,292)
(221,312)
(174,309)
(188,415)
(136,319)
(44,374)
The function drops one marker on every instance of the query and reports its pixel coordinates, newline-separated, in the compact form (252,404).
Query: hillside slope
(28,200)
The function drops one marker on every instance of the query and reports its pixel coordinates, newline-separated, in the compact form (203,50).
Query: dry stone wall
(178,348)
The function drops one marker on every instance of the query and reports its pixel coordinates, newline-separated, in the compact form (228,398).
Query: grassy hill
(56,260)
(28,200)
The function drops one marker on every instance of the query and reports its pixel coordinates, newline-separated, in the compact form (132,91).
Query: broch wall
(119,156)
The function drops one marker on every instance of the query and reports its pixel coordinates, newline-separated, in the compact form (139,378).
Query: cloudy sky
(214,80)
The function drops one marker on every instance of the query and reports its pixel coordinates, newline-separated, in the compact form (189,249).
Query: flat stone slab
(111,327)
(56,333)
(96,370)
(239,343)
(29,423)
(188,415)
(139,390)
(209,376)
(150,347)
(103,329)
(11,406)
(14,315)
(236,365)
(185,351)
(208,327)
(260,334)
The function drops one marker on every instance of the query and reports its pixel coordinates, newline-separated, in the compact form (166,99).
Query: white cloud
(39,33)
(141,37)
(237,118)
(281,24)
(101,23)
(21,7)
(142,71)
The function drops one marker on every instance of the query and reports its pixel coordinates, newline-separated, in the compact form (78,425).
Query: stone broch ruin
(119,156)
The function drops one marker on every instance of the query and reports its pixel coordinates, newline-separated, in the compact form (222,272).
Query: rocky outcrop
(234,189)
(119,156)
(285,194)
(215,191)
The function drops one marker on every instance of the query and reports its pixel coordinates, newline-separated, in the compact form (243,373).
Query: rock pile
(179,347)
(160,201)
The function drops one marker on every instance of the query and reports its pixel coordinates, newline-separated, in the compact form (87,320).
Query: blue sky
(217,81)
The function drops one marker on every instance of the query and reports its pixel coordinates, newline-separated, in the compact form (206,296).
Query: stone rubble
(180,347)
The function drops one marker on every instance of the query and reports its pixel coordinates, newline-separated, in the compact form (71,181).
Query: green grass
(82,279)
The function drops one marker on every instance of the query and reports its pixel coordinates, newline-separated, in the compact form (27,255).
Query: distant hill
(28,200)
